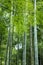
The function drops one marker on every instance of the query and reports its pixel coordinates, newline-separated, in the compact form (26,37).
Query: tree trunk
(31,46)
(25,13)
(10,37)
(0,49)
(7,49)
(35,35)
(11,34)
(24,50)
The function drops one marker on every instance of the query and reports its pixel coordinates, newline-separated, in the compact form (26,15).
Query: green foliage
(19,9)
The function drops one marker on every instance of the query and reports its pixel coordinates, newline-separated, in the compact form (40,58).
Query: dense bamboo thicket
(21,32)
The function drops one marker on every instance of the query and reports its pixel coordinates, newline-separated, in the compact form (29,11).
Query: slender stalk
(24,50)
(35,35)
(11,33)
(25,13)
(7,49)
(31,45)
(0,50)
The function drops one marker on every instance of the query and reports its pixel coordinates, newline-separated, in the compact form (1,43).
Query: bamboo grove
(21,32)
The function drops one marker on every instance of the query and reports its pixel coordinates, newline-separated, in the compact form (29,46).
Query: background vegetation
(21,32)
